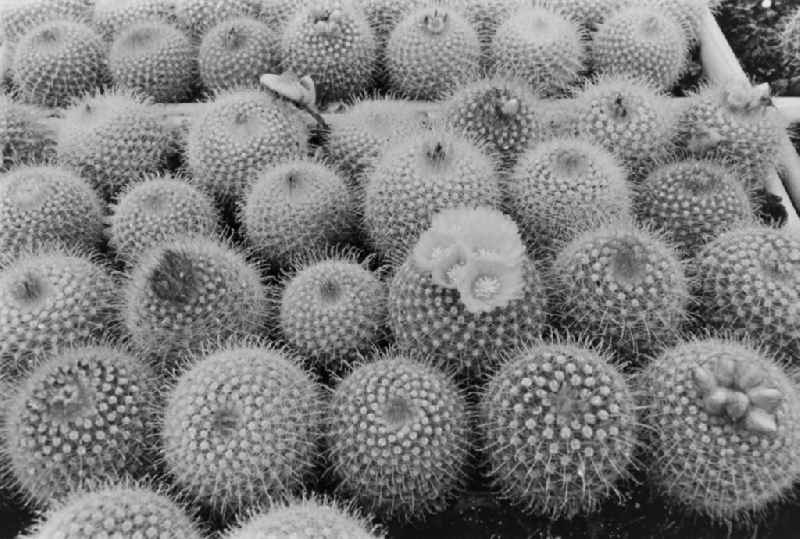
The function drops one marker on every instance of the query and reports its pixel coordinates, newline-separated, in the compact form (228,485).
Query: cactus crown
(173,278)
(745,99)
(435,22)
(629,263)
(28,289)
(326,20)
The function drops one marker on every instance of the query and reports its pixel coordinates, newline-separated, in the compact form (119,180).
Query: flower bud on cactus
(724,424)
(559,428)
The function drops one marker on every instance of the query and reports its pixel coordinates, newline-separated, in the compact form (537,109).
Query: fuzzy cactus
(542,47)
(188,292)
(307,518)
(58,61)
(236,52)
(155,58)
(563,187)
(689,14)
(240,427)
(113,139)
(332,42)
(693,201)
(43,205)
(501,112)
(156,210)
(239,133)
(121,510)
(467,293)
(559,428)
(196,17)
(17,17)
(419,176)
(735,123)
(398,437)
(644,42)
(587,13)
(296,207)
(748,283)
(432,51)
(111,16)
(24,137)
(724,424)
(50,300)
(332,311)
(78,420)
(624,285)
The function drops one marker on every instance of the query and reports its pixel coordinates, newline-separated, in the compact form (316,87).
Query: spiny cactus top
(117,511)
(79,419)
(111,16)
(725,428)
(560,429)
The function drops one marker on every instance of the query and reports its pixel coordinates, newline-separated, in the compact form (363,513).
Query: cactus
(587,13)
(332,42)
(622,284)
(317,519)
(81,418)
(501,112)
(58,61)
(120,510)
(196,17)
(417,177)
(238,134)
(735,123)
(43,205)
(398,437)
(113,139)
(560,428)
(24,137)
(643,42)
(296,207)
(156,59)
(18,16)
(112,16)
(332,310)
(432,51)
(156,210)
(467,293)
(747,284)
(237,52)
(540,46)
(240,427)
(564,187)
(689,14)
(188,292)
(723,419)
(693,201)
(50,300)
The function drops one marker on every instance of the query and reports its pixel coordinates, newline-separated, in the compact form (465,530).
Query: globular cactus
(277,13)
(332,311)
(467,293)
(236,52)
(559,429)
(332,42)
(113,139)
(196,17)
(117,510)
(156,210)
(50,300)
(112,16)
(432,51)
(629,118)
(735,123)
(188,292)
(501,112)
(18,16)
(295,207)
(587,13)
(317,519)
(45,205)
(240,427)
(78,420)
(398,437)
(724,424)
(624,285)
(24,137)
(644,42)
(155,58)
(689,14)
(58,61)
(542,47)
(693,201)
(563,187)
(419,176)
(747,282)
(239,133)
